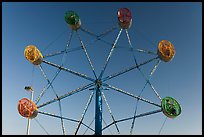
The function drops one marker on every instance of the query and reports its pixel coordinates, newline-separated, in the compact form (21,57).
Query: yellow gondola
(33,55)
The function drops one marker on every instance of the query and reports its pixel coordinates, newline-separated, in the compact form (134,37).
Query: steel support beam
(98,109)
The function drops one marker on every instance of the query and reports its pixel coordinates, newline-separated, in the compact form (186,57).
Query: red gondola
(124,18)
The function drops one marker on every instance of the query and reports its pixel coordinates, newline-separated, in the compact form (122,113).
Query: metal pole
(28,125)
(98,111)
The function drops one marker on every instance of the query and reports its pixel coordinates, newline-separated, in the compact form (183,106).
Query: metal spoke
(60,52)
(98,37)
(133,121)
(157,94)
(162,126)
(130,94)
(106,125)
(69,40)
(88,58)
(41,126)
(53,41)
(104,98)
(127,70)
(88,32)
(145,51)
(138,50)
(53,54)
(66,48)
(89,126)
(137,116)
(56,116)
(69,70)
(108,31)
(50,83)
(62,123)
(111,51)
(131,47)
(41,69)
(102,34)
(67,94)
(69,50)
(151,73)
(62,62)
(53,115)
(44,89)
(147,80)
(84,112)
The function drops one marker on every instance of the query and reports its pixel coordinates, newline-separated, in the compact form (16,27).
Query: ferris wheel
(30,109)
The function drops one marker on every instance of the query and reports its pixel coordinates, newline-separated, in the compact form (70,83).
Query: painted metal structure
(169,106)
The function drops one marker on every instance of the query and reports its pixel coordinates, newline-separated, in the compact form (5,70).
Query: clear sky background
(42,23)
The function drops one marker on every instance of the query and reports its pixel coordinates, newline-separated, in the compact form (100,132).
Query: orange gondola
(27,108)
(166,50)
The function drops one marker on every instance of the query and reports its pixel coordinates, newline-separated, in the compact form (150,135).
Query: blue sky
(42,23)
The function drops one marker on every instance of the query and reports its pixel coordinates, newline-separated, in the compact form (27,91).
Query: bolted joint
(98,83)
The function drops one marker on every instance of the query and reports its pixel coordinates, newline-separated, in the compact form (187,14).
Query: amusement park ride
(165,52)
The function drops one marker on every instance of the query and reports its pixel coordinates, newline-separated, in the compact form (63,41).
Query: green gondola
(171,108)
(71,18)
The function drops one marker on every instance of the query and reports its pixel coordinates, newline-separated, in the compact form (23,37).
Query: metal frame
(97,83)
